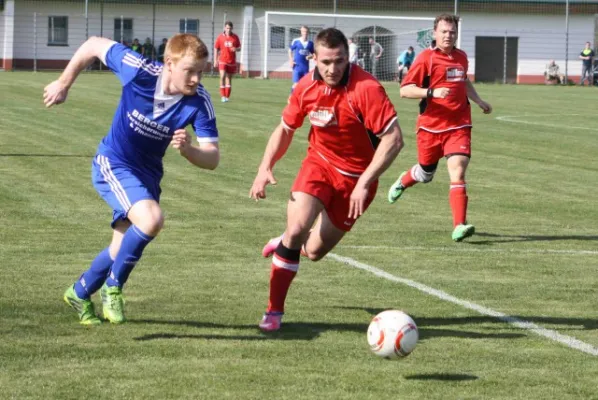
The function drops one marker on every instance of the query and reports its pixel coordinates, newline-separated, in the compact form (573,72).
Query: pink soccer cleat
(272,244)
(271,322)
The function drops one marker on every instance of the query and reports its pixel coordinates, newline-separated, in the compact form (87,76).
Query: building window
(277,37)
(294,33)
(58,31)
(123,30)
(189,26)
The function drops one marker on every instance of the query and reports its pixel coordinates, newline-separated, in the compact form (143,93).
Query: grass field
(195,299)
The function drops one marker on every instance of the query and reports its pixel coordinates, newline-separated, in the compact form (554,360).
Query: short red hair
(185,44)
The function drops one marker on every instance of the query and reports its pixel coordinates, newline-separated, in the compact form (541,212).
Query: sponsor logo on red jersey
(323,117)
(455,74)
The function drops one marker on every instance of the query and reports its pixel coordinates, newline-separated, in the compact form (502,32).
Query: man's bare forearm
(205,157)
(85,56)
(388,149)
(277,146)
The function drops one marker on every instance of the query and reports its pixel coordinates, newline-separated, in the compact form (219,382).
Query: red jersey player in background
(439,78)
(354,137)
(226,47)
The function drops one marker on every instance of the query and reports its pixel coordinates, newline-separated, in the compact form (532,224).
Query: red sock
(281,275)
(458,202)
(222,91)
(408,180)
(227,90)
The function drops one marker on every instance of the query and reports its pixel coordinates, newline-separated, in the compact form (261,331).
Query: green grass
(196,297)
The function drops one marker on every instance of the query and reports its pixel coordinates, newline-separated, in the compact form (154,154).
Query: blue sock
(92,279)
(130,252)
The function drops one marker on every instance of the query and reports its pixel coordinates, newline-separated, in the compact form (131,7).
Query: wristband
(430,93)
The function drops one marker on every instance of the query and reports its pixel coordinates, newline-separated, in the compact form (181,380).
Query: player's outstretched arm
(205,156)
(388,149)
(95,47)
(278,144)
(473,96)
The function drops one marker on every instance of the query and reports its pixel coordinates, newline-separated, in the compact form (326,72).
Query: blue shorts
(299,73)
(120,186)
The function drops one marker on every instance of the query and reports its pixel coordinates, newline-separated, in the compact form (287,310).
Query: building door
(490,59)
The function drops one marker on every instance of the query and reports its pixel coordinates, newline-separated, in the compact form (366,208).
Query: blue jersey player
(300,52)
(158,101)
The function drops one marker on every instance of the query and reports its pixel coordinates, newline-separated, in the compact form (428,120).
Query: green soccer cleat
(113,304)
(396,190)
(84,307)
(463,231)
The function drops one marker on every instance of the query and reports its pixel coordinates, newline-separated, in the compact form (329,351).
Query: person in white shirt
(353,52)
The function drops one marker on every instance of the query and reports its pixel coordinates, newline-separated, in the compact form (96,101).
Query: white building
(45,34)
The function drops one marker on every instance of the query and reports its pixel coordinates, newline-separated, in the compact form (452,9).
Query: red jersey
(346,120)
(225,43)
(436,69)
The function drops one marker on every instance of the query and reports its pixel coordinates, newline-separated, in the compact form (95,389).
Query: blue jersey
(300,51)
(406,58)
(146,118)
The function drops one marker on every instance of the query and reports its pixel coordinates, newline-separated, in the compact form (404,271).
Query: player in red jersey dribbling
(354,137)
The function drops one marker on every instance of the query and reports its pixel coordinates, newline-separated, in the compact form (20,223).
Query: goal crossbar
(360,16)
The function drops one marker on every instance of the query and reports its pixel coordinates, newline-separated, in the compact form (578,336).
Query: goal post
(277,29)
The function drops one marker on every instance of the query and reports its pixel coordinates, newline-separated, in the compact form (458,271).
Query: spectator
(375,53)
(161,50)
(587,57)
(552,74)
(404,62)
(148,49)
(353,52)
(136,46)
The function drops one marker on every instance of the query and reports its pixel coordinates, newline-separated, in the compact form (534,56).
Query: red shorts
(228,68)
(431,147)
(321,180)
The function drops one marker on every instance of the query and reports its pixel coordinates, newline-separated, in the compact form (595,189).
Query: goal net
(394,34)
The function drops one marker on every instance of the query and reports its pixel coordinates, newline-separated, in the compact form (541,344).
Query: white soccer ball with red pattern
(392,334)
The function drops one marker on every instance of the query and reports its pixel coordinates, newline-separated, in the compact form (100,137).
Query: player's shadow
(45,155)
(442,377)
(564,322)
(428,328)
(499,238)
(289,331)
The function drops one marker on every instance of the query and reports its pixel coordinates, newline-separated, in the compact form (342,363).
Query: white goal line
(568,341)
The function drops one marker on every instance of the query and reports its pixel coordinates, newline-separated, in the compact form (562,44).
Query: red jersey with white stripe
(437,69)
(225,43)
(346,120)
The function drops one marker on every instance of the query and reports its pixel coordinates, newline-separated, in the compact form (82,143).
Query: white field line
(520,119)
(472,250)
(547,333)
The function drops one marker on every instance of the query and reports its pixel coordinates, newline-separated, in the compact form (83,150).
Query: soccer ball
(392,334)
